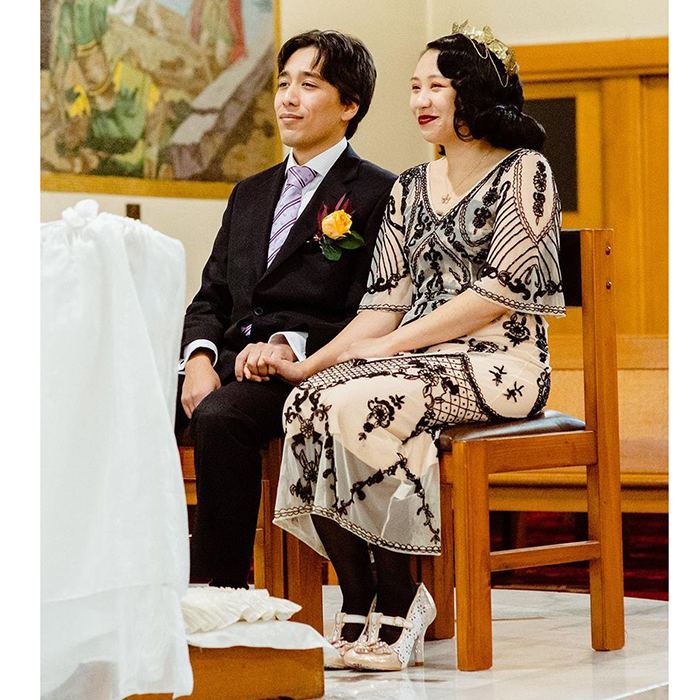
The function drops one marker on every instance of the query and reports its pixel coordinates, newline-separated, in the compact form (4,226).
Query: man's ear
(349,111)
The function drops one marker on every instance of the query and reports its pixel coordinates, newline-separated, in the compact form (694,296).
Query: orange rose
(336,224)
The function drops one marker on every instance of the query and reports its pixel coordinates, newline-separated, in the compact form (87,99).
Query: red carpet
(645,553)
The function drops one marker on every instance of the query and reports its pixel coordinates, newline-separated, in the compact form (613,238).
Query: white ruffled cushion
(207,608)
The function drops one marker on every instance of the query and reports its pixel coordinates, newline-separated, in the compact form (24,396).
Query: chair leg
(606,574)
(262,565)
(438,573)
(304,577)
(273,537)
(472,549)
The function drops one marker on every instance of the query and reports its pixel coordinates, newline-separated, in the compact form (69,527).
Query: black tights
(393,585)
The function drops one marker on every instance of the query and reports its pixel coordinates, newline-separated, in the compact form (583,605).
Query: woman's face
(433,100)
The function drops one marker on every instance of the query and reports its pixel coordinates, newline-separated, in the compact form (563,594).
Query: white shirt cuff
(195,345)
(296,341)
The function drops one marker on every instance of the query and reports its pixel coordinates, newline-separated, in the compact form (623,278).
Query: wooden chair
(469,456)
(470,453)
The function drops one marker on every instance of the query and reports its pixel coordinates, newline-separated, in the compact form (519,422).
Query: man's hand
(200,380)
(256,361)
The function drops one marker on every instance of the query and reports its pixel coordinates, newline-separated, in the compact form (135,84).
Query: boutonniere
(335,230)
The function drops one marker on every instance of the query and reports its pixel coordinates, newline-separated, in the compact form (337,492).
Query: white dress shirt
(320,164)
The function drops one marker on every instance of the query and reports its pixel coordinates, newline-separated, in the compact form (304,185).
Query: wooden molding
(593,59)
(135,186)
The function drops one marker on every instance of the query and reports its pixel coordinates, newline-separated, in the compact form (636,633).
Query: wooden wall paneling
(593,59)
(587,94)
(589,157)
(655,203)
(623,195)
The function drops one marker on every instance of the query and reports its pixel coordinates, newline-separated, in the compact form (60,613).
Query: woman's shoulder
(530,169)
(528,158)
(412,173)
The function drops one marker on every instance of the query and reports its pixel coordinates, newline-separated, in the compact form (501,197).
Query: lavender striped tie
(298,177)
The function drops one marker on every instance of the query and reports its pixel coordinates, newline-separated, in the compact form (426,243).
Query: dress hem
(287,513)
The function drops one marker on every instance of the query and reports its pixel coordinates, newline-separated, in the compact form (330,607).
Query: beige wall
(395,32)
(555,21)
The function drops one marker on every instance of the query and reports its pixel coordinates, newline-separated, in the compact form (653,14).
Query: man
(269,288)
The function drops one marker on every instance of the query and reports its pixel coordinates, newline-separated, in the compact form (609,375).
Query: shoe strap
(353,619)
(377,619)
(395,622)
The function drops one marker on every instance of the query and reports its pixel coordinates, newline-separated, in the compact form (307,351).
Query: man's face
(310,116)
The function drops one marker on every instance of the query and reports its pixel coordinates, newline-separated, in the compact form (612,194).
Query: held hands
(200,380)
(257,361)
(292,372)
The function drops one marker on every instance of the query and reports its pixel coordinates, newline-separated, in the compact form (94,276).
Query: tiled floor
(541,652)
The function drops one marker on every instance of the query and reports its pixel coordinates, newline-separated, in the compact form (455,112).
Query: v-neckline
(467,194)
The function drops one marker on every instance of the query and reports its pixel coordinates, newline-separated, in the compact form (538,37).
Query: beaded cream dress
(360,437)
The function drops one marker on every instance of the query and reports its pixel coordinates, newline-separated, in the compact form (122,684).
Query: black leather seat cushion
(543,422)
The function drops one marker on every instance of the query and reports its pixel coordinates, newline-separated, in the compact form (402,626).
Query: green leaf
(349,243)
(330,252)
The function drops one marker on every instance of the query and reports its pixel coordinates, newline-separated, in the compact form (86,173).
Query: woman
(451,329)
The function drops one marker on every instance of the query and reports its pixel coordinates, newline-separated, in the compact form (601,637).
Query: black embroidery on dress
(498,373)
(491,196)
(366,535)
(514,392)
(516,329)
(381,413)
(389,248)
(481,216)
(541,342)
(539,182)
(358,490)
(383,307)
(485,346)
(544,383)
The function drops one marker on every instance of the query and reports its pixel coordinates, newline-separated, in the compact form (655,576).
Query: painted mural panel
(157,89)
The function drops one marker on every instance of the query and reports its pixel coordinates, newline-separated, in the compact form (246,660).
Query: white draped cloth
(114,557)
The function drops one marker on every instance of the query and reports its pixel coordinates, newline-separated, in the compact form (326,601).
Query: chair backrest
(587,275)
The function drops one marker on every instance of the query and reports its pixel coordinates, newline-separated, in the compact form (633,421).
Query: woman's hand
(292,372)
(368,348)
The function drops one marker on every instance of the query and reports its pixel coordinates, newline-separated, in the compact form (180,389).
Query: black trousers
(228,429)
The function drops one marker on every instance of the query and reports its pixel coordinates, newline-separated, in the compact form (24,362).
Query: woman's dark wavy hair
(346,64)
(484,109)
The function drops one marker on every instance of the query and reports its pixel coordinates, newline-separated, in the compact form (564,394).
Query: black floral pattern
(541,342)
(381,413)
(516,329)
(514,392)
(498,374)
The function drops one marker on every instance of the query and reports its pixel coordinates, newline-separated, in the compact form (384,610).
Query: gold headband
(486,38)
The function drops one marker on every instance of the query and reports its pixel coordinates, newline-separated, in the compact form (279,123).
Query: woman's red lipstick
(425,118)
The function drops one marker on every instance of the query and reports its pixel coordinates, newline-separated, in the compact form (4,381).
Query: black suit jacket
(301,290)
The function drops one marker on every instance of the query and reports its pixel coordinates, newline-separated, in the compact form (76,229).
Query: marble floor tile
(541,652)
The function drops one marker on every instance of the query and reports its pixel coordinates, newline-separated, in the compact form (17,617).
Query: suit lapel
(336,184)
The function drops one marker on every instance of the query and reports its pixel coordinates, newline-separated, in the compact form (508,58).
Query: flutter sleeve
(389,285)
(522,270)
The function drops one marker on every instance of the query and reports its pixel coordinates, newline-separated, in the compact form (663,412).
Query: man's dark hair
(483,106)
(344,62)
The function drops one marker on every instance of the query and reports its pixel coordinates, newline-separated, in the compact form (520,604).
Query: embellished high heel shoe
(376,655)
(342,645)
